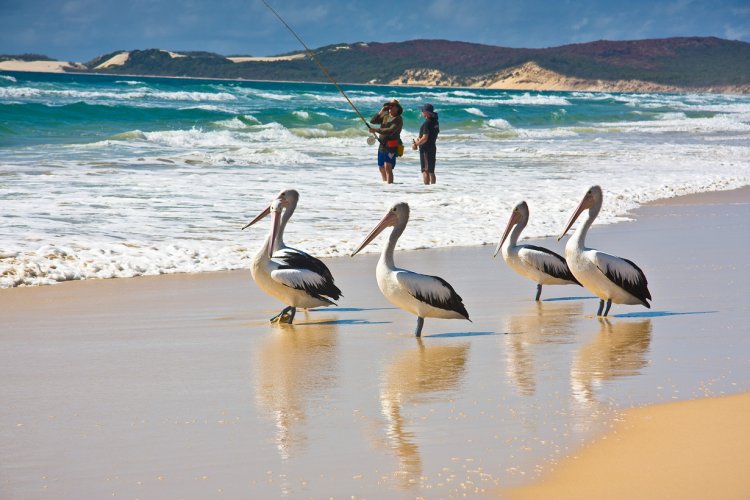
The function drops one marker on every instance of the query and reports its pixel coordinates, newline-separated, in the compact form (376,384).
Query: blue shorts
(387,157)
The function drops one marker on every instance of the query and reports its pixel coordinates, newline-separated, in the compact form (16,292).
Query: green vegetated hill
(682,62)
(25,57)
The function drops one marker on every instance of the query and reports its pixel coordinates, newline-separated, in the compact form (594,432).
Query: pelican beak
(275,210)
(511,222)
(388,220)
(586,203)
(259,217)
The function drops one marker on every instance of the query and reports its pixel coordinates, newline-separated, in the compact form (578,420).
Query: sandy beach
(691,449)
(176,386)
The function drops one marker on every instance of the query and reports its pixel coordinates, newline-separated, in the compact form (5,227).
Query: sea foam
(167,190)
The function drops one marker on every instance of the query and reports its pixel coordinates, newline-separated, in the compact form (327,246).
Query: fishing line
(312,55)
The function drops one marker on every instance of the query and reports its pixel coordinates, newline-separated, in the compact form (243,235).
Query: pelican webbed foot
(285,316)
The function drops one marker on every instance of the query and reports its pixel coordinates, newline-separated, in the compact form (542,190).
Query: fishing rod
(370,140)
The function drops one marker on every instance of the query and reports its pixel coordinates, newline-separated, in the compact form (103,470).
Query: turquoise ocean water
(113,176)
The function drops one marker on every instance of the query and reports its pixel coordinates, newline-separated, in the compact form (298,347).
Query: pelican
(287,274)
(610,278)
(540,265)
(422,295)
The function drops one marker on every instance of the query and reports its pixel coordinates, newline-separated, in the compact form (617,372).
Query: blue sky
(79,30)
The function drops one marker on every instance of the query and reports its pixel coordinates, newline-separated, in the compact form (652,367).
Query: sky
(80,30)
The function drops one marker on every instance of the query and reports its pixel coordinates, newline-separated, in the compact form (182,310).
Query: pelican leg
(538,291)
(420,324)
(601,307)
(279,317)
(292,313)
(609,304)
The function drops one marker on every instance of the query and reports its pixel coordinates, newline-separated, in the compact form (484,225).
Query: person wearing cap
(390,124)
(428,133)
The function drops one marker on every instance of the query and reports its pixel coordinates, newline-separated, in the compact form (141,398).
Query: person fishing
(391,122)
(428,133)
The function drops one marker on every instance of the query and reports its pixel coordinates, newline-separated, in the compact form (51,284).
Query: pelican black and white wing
(302,272)
(625,274)
(302,260)
(546,261)
(432,290)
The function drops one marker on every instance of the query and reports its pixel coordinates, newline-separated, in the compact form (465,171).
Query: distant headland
(694,64)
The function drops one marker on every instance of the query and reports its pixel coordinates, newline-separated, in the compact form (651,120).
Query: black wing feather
(637,288)
(300,260)
(453,303)
(555,271)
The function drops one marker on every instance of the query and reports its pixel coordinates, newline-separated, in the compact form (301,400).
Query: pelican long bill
(260,216)
(513,220)
(388,220)
(586,203)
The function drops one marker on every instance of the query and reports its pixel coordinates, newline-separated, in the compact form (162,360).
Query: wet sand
(177,386)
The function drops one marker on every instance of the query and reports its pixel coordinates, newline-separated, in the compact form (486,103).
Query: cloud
(82,29)
(308,14)
(580,24)
(737,33)
(457,12)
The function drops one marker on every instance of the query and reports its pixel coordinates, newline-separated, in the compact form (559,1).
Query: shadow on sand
(659,314)
(460,335)
(558,299)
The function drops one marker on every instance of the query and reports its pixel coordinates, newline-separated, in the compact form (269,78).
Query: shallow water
(178,387)
(122,176)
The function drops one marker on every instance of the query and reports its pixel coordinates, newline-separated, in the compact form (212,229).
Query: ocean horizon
(121,176)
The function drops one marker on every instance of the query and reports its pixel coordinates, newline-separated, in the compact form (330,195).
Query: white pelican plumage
(542,266)
(420,294)
(292,276)
(612,279)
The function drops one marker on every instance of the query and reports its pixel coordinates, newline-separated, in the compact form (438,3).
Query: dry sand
(116,60)
(39,66)
(687,450)
(241,59)
(177,386)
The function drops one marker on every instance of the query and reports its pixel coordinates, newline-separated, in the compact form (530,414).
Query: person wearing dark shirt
(389,135)
(428,133)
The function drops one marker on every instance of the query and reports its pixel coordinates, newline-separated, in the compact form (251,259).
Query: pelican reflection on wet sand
(294,368)
(420,294)
(417,376)
(619,350)
(530,333)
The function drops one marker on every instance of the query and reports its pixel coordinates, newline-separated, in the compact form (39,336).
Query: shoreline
(594,86)
(186,371)
(735,195)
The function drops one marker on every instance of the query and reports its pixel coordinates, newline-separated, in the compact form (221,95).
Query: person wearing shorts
(428,133)
(389,135)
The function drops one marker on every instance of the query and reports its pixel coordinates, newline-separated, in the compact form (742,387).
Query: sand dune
(39,66)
